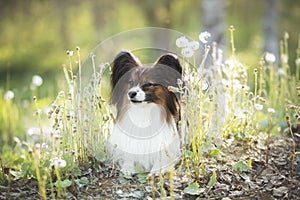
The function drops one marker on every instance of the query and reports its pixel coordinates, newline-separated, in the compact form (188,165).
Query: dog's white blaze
(140,94)
(143,138)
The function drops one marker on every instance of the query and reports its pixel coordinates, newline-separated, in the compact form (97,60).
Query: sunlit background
(34,35)
(41,103)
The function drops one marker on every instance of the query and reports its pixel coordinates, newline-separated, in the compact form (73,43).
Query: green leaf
(142,178)
(77,171)
(212,180)
(128,177)
(207,147)
(95,180)
(139,168)
(241,166)
(214,153)
(193,189)
(249,163)
(64,184)
(83,181)
(47,163)
(189,154)
(17,174)
(100,156)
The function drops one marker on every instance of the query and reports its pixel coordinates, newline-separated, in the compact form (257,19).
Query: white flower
(203,37)
(286,35)
(9,95)
(258,106)
(45,146)
(194,45)
(298,61)
(270,58)
(230,63)
(271,110)
(187,52)
(71,53)
(37,146)
(281,71)
(37,81)
(102,66)
(284,58)
(182,42)
(57,135)
(60,163)
(205,85)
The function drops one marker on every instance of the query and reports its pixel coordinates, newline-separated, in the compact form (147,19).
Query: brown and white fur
(145,136)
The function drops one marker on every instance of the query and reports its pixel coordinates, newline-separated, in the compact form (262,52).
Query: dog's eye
(148,84)
(130,82)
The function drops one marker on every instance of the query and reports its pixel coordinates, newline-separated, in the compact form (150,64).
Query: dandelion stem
(298,61)
(231,29)
(79,67)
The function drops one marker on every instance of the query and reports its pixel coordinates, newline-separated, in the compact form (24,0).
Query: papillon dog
(145,136)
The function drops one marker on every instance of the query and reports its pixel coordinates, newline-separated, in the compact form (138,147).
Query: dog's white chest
(143,140)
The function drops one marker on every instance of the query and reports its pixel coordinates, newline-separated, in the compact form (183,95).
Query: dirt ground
(263,181)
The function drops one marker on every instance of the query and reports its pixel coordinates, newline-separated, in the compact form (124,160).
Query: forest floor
(263,181)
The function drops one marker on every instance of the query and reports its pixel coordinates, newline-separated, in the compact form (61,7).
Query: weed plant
(216,104)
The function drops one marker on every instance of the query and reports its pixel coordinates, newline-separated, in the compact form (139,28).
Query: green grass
(80,119)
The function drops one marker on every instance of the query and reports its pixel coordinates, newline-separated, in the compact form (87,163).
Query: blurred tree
(214,20)
(270,27)
(100,13)
(61,7)
(158,15)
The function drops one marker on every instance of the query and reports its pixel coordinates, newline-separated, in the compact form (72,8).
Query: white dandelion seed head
(37,145)
(182,42)
(9,95)
(37,81)
(194,45)
(204,36)
(71,53)
(187,52)
(45,146)
(57,134)
(270,58)
(284,59)
(39,111)
(205,85)
(286,35)
(271,110)
(102,66)
(298,61)
(229,63)
(31,131)
(258,106)
(281,71)
(59,163)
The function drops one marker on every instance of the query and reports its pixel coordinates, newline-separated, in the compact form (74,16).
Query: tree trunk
(214,20)
(270,27)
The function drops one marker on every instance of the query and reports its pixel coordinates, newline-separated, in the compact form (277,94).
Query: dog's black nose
(132,94)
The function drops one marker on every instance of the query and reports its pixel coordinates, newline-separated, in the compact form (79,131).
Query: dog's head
(137,84)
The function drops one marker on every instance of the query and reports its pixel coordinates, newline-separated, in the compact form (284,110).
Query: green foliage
(81,123)
(142,177)
(64,184)
(193,189)
(212,181)
(241,166)
(83,181)
(211,150)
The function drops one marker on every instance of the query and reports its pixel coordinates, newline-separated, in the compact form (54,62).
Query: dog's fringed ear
(123,62)
(170,60)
